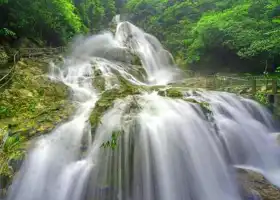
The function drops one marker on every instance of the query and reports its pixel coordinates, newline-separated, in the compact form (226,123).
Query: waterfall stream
(167,149)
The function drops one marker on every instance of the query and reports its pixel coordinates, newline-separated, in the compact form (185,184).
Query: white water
(168,150)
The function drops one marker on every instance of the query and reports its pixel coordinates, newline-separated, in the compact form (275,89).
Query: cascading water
(52,160)
(167,149)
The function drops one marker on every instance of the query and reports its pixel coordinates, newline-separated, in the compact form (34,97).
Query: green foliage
(55,21)
(11,149)
(91,12)
(3,1)
(7,32)
(113,142)
(33,104)
(4,112)
(194,30)
(260,96)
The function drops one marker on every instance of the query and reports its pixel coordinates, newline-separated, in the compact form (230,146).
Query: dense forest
(209,33)
(55,21)
(242,35)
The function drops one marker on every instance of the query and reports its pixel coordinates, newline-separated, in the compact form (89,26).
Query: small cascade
(53,159)
(153,57)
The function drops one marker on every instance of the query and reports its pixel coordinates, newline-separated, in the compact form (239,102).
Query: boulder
(255,187)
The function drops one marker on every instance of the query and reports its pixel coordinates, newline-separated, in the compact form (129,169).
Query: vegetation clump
(171,92)
(113,142)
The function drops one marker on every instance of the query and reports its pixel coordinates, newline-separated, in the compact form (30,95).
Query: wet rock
(122,55)
(166,57)
(254,186)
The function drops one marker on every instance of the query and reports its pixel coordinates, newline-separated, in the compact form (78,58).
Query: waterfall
(165,148)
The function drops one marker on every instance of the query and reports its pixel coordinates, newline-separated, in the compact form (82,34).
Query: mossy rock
(30,107)
(171,92)
(108,97)
(136,60)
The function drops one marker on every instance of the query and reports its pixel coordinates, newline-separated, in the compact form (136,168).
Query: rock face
(254,186)
(30,107)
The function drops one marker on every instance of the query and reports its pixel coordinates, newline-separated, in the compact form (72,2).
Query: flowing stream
(167,149)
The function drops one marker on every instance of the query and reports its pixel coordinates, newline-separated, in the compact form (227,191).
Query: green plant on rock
(205,107)
(261,97)
(6,32)
(113,142)
(12,149)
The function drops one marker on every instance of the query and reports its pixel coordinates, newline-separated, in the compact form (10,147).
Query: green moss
(171,92)
(205,107)
(261,97)
(136,60)
(99,83)
(12,150)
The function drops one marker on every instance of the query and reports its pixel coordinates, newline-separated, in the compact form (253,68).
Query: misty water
(168,149)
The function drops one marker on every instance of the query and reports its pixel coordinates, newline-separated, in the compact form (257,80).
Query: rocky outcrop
(125,89)
(122,55)
(255,186)
(30,107)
